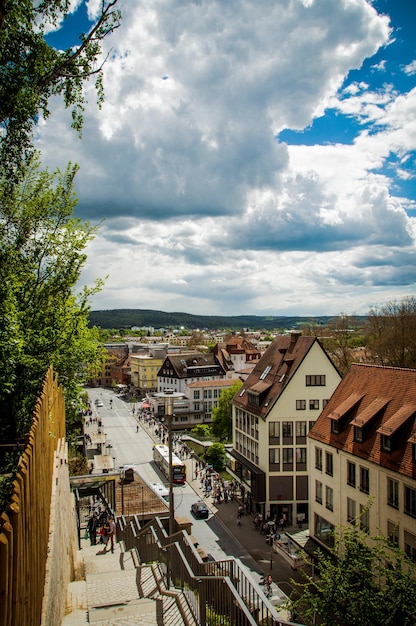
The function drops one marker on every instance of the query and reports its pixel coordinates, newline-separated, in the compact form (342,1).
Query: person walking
(92,528)
(111,529)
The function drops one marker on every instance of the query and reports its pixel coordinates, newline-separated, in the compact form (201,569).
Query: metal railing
(219,593)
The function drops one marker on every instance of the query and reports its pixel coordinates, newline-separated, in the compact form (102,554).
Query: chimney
(294,336)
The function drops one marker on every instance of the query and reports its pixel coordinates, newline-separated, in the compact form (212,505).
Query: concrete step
(116,590)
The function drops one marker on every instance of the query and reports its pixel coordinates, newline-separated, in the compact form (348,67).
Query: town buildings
(272,415)
(362,451)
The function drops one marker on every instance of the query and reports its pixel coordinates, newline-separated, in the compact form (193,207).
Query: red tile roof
(387,406)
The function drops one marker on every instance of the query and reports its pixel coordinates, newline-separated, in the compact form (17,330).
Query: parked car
(200,510)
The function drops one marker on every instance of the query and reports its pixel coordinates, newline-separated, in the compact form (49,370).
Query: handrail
(215,590)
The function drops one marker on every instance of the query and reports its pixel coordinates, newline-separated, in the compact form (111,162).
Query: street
(220,535)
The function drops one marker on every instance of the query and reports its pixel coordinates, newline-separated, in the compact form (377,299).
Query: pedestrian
(239,518)
(92,528)
(110,527)
(103,535)
(137,428)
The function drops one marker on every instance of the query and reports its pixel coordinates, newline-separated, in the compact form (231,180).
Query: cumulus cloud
(206,208)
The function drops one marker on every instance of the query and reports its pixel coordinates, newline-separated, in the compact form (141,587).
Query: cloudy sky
(252,156)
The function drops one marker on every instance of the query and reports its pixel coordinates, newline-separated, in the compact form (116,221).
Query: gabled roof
(273,373)
(387,407)
(192,365)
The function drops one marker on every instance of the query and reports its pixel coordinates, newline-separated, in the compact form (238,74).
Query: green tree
(201,430)
(216,456)
(366,580)
(222,415)
(391,333)
(32,71)
(42,320)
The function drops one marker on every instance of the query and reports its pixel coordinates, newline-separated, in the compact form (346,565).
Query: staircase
(117,590)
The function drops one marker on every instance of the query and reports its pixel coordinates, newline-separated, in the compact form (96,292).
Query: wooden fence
(24,526)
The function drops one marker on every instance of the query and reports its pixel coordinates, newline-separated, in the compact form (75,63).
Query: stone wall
(63,553)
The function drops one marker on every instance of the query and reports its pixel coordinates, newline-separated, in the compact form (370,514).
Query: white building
(272,415)
(363,446)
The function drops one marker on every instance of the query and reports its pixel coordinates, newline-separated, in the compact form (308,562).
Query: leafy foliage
(222,415)
(364,581)
(216,456)
(114,318)
(391,332)
(42,321)
(201,430)
(31,71)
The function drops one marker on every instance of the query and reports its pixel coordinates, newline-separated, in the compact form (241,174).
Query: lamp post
(169,397)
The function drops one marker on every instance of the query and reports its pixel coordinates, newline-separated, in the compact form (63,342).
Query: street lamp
(169,397)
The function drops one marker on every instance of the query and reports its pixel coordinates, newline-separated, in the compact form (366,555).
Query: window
(287,429)
(364,518)
(274,456)
(324,530)
(410,501)
(393,532)
(274,430)
(287,456)
(313,405)
(318,458)
(351,511)
(364,479)
(329,496)
(329,464)
(386,443)
(335,427)
(393,493)
(410,545)
(301,405)
(253,399)
(196,394)
(300,429)
(301,458)
(318,491)
(196,406)
(316,381)
(351,474)
(358,434)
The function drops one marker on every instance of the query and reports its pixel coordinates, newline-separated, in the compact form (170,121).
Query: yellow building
(144,369)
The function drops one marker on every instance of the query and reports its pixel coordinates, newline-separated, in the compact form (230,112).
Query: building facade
(272,415)
(179,370)
(363,457)
(144,370)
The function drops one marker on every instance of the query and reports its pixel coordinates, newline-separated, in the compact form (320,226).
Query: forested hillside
(126,318)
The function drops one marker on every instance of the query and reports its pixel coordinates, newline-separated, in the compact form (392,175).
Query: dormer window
(386,444)
(335,427)
(358,434)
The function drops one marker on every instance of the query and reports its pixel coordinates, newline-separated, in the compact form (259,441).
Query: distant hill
(126,318)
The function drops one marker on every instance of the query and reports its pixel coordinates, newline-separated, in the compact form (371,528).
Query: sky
(251,157)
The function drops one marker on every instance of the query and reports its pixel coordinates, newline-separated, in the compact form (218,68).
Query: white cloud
(206,211)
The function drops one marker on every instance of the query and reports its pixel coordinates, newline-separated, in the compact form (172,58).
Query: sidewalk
(250,539)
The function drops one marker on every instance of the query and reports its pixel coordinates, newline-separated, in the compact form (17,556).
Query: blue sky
(251,157)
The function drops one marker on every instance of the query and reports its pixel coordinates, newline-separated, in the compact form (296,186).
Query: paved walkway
(108,594)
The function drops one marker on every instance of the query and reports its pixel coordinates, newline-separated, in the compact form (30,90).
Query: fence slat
(24,527)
